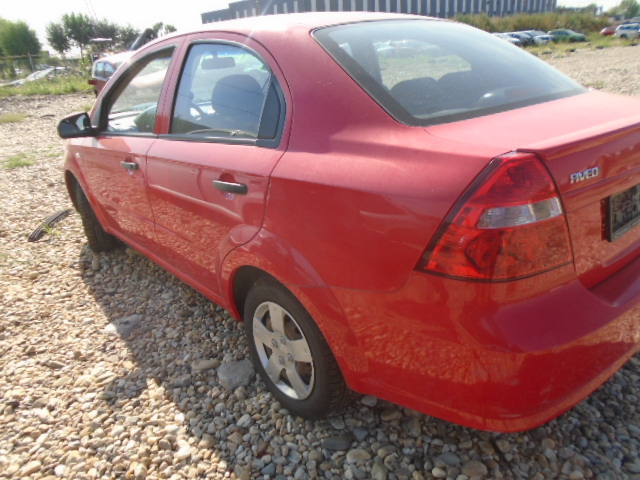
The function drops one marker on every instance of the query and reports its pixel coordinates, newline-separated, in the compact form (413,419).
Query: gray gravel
(111,368)
(612,69)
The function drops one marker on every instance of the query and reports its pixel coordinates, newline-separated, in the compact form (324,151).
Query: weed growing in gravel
(52,231)
(17,161)
(4,257)
(597,85)
(12,117)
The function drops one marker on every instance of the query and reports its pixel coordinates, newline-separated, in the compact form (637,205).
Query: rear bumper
(503,357)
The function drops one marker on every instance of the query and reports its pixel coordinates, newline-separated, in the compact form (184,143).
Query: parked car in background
(628,30)
(526,40)
(385,222)
(610,30)
(103,68)
(566,35)
(539,37)
(508,38)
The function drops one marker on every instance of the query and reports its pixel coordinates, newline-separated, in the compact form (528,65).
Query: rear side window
(425,72)
(225,91)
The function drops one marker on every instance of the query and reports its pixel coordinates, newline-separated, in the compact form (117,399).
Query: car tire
(99,240)
(290,353)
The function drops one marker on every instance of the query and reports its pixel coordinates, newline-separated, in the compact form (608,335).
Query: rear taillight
(509,224)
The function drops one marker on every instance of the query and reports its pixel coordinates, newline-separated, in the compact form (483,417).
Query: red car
(103,68)
(382,221)
(610,30)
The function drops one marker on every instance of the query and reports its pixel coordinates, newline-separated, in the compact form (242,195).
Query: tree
(160,29)
(625,9)
(127,35)
(629,8)
(106,29)
(57,38)
(17,39)
(79,28)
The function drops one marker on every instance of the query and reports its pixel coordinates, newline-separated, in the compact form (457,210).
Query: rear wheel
(290,352)
(98,239)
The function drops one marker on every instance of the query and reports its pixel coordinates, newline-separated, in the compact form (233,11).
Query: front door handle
(230,187)
(129,165)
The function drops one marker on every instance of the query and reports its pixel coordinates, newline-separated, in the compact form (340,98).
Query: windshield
(425,72)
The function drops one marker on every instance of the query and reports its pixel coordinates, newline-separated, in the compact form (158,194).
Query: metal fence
(15,67)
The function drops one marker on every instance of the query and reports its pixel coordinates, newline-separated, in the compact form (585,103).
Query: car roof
(309,19)
(287,22)
(117,57)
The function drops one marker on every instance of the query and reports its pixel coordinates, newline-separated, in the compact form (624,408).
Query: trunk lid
(591,145)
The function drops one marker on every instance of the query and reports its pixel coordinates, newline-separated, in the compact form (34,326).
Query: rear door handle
(230,187)
(129,165)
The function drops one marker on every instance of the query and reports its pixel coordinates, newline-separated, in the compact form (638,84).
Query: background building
(432,8)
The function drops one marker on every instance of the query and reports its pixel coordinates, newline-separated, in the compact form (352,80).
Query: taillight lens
(510,224)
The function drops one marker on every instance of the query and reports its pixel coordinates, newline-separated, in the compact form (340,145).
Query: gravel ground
(111,368)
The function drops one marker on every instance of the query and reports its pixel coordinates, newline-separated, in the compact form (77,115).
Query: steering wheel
(199,112)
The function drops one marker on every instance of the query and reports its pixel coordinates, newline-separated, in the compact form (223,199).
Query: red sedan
(366,192)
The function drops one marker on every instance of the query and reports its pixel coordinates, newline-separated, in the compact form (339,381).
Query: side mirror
(76,125)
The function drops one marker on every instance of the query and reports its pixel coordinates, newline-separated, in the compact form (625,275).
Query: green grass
(12,117)
(583,22)
(600,41)
(17,161)
(52,153)
(579,21)
(594,41)
(50,86)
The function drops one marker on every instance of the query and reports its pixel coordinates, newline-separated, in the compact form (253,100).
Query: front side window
(134,104)
(425,72)
(98,69)
(225,91)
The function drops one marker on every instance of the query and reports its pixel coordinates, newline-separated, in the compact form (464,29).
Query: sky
(144,13)
(140,14)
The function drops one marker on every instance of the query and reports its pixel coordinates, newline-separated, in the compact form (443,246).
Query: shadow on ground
(158,333)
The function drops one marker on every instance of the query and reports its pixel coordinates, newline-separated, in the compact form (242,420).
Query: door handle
(129,165)
(230,187)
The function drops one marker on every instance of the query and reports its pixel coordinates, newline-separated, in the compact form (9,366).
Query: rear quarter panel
(358,194)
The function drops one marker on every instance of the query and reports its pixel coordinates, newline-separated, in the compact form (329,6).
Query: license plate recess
(623,213)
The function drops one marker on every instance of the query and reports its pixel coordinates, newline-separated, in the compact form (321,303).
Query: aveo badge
(585,175)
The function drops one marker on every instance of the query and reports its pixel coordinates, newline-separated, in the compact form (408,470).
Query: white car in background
(628,30)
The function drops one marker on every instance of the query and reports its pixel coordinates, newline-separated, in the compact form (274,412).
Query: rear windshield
(425,72)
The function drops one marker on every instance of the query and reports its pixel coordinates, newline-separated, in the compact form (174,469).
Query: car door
(209,175)
(114,162)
